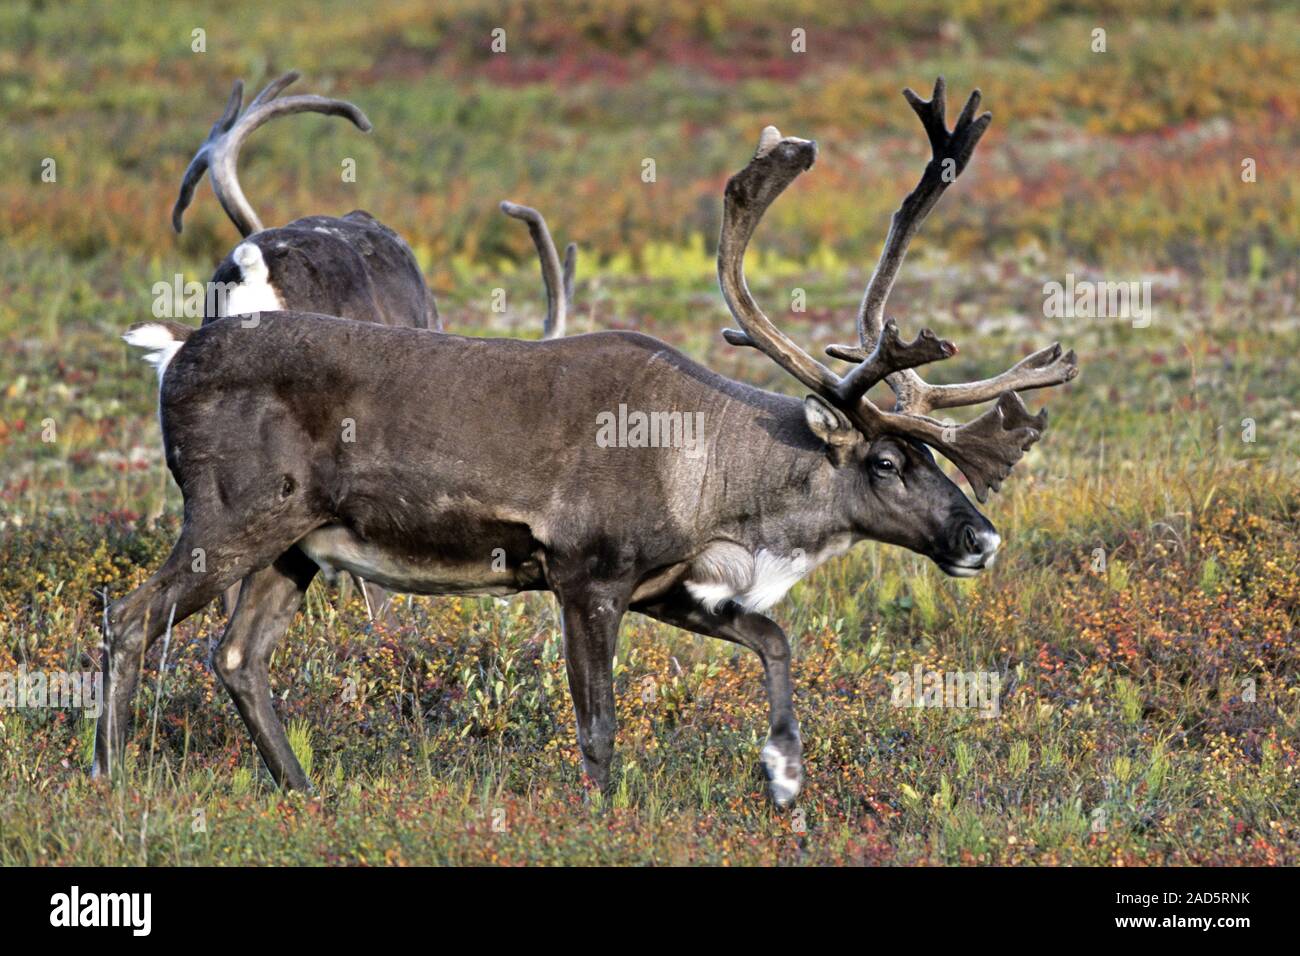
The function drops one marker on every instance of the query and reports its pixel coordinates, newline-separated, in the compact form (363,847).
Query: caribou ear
(830,426)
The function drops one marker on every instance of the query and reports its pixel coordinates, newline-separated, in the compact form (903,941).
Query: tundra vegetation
(1142,616)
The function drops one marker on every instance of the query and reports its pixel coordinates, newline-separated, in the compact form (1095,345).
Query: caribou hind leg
(208,558)
(132,624)
(782,754)
(268,600)
(230,600)
(380,602)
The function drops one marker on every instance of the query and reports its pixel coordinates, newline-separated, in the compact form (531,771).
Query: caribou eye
(884,466)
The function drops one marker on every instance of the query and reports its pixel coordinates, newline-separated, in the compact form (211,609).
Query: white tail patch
(159,343)
(254,293)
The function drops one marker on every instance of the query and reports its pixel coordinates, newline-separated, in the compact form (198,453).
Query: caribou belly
(336,548)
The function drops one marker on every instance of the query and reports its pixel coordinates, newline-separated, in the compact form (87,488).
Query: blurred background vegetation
(1129,157)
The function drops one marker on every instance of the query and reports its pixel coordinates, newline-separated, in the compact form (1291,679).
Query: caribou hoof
(784,774)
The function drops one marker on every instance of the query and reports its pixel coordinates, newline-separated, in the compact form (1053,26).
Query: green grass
(1142,619)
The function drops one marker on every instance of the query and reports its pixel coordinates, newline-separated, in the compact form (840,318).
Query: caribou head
(904,497)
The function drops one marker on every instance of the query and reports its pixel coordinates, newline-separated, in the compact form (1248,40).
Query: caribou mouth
(962,570)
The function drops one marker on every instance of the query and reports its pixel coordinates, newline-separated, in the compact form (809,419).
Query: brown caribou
(437,464)
(351,266)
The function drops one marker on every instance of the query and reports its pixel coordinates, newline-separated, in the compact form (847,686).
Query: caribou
(438,464)
(351,266)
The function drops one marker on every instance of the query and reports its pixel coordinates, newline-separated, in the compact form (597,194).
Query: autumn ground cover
(1142,620)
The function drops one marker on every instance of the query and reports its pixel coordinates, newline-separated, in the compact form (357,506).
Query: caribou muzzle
(974,547)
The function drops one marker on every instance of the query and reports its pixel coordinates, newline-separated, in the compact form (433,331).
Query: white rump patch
(159,343)
(254,293)
(725,571)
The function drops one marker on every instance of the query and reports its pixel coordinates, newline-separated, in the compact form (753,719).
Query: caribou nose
(981,542)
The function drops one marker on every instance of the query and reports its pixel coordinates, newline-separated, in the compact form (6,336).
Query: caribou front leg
(591,616)
(782,754)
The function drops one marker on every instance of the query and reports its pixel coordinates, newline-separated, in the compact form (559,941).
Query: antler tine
(557,278)
(199,164)
(570,270)
(219,153)
(890,356)
(776,164)
(231,112)
(986,448)
(274,88)
(1042,369)
(951,153)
